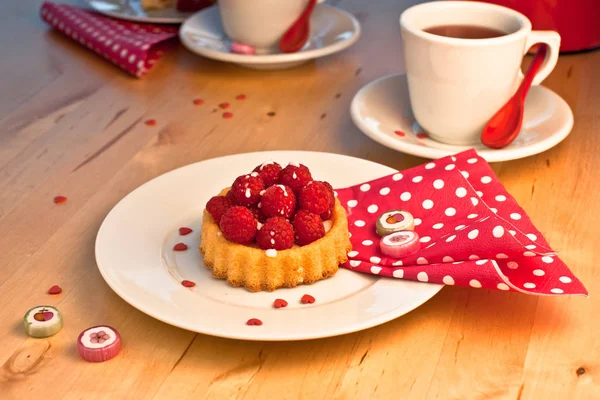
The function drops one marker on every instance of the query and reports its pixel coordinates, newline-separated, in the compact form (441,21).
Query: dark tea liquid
(465,31)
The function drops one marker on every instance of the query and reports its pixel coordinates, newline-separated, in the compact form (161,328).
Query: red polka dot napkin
(133,47)
(473,233)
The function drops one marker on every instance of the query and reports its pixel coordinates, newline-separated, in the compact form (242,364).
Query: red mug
(577,21)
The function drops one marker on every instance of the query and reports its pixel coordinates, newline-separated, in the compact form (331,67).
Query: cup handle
(550,38)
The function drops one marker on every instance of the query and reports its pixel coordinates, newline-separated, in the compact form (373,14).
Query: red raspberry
(246,189)
(277,233)
(238,225)
(258,214)
(217,207)
(295,176)
(269,172)
(308,227)
(315,197)
(327,214)
(278,201)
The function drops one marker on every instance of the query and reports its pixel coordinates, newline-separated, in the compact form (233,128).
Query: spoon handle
(532,71)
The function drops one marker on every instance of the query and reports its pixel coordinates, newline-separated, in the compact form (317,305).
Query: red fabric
(133,47)
(473,232)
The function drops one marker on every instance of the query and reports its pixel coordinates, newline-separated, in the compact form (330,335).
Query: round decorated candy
(400,244)
(99,343)
(241,48)
(42,321)
(394,221)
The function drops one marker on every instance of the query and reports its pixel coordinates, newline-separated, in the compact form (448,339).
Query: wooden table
(71,124)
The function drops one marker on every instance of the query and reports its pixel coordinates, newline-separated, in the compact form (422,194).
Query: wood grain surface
(72,124)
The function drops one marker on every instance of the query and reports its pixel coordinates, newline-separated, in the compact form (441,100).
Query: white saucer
(132,10)
(382,107)
(134,252)
(331,30)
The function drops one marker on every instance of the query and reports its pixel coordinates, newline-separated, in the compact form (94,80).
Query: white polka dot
(512,232)
(471,216)
(449,167)
(512,265)
(450,211)
(145,47)
(399,262)
(530,246)
(448,280)
(375,270)
(461,192)
(501,256)
(480,262)
(422,261)
(498,231)
(474,201)
(422,276)
(116,47)
(365,187)
(457,262)
(529,285)
(447,259)
(547,259)
(385,191)
(529,254)
(428,204)
(532,236)
(417,179)
(131,58)
(399,273)
(372,208)
(375,260)
(439,225)
(430,165)
(417,221)
(472,160)
(425,239)
(360,223)
(473,234)
(502,286)
(501,197)
(438,184)
(557,291)
(450,238)
(397,177)
(353,253)
(565,279)
(354,263)
(405,196)
(367,242)
(458,228)
(539,272)
(475,283)
(352,203)
(515,216)
(465,174)
(486,179)
(479,193)
(494,210)
(473,257)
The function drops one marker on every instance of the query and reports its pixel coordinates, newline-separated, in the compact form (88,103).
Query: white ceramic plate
(132,10)
(382,108)
(331,30)
(135,257)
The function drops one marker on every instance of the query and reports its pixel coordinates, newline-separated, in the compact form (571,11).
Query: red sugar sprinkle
(280,303)
(187,283)
(55,290)
(307,299)
(184,231)
(227,115)
(400,133)
(240,97)
(422,135)
(254,321)
(180,247)
(60,200)
(198,102)
(224,105)
(150,122)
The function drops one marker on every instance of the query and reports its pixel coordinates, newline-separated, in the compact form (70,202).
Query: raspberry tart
(274,227)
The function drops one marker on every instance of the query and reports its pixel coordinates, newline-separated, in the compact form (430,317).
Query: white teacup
(455,84)
(259,23)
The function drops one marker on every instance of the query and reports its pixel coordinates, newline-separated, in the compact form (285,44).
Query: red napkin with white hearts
(134,47)
(473,233)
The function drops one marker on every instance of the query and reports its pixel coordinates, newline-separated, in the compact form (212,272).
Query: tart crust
(253,269)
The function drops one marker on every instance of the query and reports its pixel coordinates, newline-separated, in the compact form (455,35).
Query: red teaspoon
(295,37)
(505,125)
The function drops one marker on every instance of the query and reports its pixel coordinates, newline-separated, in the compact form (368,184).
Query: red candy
(55,290)
(180,247)
(254,321)
(227,115)
(400,133)
(198,102)
(60,200)
(307,299)
(240,97)
(280,303)
(242,48)
(224,105)
(150,122)
(422,135)
(187,283)
(184,231)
